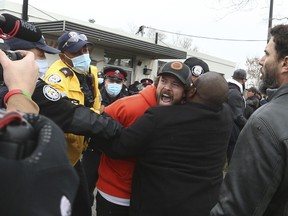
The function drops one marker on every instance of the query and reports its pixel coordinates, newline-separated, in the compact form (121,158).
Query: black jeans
(106,208)
(81,205)
(91,161)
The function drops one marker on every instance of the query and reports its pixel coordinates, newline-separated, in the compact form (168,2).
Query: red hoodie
(115,176)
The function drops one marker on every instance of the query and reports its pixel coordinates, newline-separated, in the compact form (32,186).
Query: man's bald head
(210,89)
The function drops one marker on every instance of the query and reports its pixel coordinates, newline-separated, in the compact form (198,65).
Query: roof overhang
(112,40)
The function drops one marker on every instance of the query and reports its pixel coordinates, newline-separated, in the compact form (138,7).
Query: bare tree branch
(253,71)
(233,6)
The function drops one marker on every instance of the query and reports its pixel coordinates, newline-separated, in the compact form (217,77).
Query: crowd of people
(156,147)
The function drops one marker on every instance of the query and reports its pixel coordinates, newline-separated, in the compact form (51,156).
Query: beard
(269,80)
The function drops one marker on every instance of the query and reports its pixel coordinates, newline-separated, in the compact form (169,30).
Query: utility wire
(141,30)
(43,12)
(203,37)
(280,18)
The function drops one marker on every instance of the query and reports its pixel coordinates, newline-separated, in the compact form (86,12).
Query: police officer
(76,119)
(113,88)
(114,78)
(73,76)
(145,82)
(197,67)
(100,79)
(134,88)
(39,48)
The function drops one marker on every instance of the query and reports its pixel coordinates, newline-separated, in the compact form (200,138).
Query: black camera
(17,136)
(10,54)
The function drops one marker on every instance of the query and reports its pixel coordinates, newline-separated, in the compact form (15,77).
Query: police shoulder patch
(54,78)
(65,206)
(197,70)
(51,93)
(66,71)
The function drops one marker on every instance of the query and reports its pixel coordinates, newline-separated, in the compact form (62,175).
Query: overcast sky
(207,18)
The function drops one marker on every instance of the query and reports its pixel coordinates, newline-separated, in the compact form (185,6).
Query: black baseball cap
(178,69)
(20,44)
(240,74)
(197,66)
(72,41)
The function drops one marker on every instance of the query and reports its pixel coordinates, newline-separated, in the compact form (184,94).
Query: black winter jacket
(237,104)
(181,151)
(257,180)
(71,118)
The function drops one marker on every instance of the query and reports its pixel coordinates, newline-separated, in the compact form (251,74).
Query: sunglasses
(74,37)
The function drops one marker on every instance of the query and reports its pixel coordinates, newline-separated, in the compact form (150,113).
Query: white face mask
(100,80)
(43,66)
(81,64)
(113,89)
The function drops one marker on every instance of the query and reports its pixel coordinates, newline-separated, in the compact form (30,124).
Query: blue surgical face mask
(100,80)
(43,66)
(81,63)
(114,89)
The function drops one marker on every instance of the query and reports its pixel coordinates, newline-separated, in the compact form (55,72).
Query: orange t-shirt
(115,176)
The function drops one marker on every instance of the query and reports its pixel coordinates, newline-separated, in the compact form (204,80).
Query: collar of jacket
(270,92)
(236,83)
(275,93)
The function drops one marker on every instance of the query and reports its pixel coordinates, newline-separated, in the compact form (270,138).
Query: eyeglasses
(74,37)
